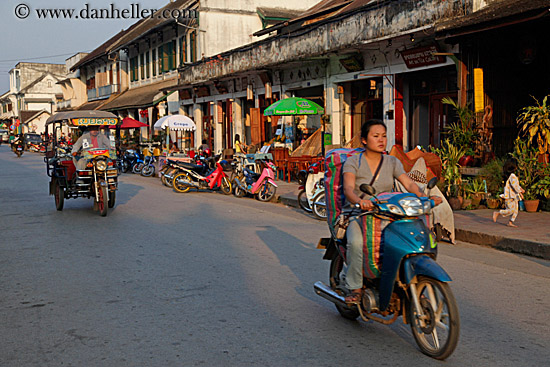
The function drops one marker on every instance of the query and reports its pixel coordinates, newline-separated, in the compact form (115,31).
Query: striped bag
(335,200)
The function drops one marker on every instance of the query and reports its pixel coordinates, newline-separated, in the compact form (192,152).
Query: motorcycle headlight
(395,209)
(427,207)
(412,206)
(101,165)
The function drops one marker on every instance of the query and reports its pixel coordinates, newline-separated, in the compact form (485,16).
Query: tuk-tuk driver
(91,139)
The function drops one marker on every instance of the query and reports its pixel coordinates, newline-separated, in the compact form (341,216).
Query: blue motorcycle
(411,284)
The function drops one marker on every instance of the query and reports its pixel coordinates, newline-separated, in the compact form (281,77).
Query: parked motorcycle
(309,183)
(411,283)
(128,159)
(200,177)
(262,185)
(172,168)
(148,168)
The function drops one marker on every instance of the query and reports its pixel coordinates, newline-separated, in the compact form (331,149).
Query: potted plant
(477,191)
(529,172)
(464,132)
(450,155)
(534,122)
(467,202)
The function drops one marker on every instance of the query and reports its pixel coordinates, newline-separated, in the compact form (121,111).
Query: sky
(26,37)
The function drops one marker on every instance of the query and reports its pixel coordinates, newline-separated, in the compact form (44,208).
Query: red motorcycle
(200,177)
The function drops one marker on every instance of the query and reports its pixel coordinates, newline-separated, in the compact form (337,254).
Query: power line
(41,57)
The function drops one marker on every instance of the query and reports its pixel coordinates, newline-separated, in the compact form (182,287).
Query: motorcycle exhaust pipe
(327,293)
(189,183)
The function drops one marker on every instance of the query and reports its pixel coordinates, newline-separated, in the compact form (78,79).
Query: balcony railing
(102,92)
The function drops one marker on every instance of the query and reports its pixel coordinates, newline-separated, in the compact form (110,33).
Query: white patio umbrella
(175,122)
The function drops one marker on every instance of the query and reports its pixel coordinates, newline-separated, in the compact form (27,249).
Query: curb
(513,245)
(290,201)
(507,244)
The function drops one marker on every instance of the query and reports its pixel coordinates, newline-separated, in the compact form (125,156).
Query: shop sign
(352,63)
(422,56)
(479,94)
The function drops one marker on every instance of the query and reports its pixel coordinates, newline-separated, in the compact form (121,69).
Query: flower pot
(476,199)
(493,203)
(531,205)
(466,203)
(455,203)
(466,160)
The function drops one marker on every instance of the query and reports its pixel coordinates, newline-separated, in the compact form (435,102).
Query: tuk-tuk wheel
(59,194)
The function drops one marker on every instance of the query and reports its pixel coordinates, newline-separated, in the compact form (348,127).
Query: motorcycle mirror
(367,189)
(432,183)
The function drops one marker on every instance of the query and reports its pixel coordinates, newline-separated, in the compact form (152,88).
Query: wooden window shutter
(255,126)
(219,108)
(172,62)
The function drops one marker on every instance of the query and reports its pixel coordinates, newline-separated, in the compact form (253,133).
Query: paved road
(209,280)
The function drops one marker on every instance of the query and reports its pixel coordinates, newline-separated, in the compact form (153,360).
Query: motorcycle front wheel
(320,206)
(101,202)
(337,285)
(238,192)
(437,332)
(136,168)
(225,185)
(124,166)
(302,201)
(178,184)
(267,191)
(148,171)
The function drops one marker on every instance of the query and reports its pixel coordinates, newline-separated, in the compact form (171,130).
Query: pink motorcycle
(262,185)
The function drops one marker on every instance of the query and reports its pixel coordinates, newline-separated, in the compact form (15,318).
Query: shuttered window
(183,51)
(193,45)
(155,62)
(142,66)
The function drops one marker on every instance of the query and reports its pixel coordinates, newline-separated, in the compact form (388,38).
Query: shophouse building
(33,88)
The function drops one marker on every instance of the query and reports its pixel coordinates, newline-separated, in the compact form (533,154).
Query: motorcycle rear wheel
(180,187)
(437,336)
(320,210)
(112,199)
(225,185)
(148,171)
(267,191)
(302,201)
(336,283)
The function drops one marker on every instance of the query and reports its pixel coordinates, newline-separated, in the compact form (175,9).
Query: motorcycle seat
(252,174)
(191,166)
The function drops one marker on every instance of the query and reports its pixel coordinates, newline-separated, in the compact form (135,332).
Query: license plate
(19,148)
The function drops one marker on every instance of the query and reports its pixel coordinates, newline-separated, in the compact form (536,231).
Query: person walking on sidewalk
(512,194)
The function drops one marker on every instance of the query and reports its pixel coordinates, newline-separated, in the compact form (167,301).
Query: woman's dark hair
(510,166)
(365,128)
(237,138)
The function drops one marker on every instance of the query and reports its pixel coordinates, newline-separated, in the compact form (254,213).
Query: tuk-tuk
(92,172)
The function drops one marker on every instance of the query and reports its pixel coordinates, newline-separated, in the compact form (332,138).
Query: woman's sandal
(354,297)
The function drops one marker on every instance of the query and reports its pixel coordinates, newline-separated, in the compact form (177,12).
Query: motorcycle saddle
(251,174)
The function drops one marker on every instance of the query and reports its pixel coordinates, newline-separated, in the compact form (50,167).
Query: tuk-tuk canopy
(84,118)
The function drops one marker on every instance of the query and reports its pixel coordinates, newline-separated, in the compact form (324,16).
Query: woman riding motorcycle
(359,170)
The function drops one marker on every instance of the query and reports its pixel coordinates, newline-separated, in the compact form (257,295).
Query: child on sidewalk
(512,193)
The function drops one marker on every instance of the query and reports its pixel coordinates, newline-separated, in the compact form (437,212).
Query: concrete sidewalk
(531,237)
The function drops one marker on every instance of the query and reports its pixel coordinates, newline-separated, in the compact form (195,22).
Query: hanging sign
(479,95)
(422,56)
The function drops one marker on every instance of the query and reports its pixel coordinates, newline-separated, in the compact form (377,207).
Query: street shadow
(282,244)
